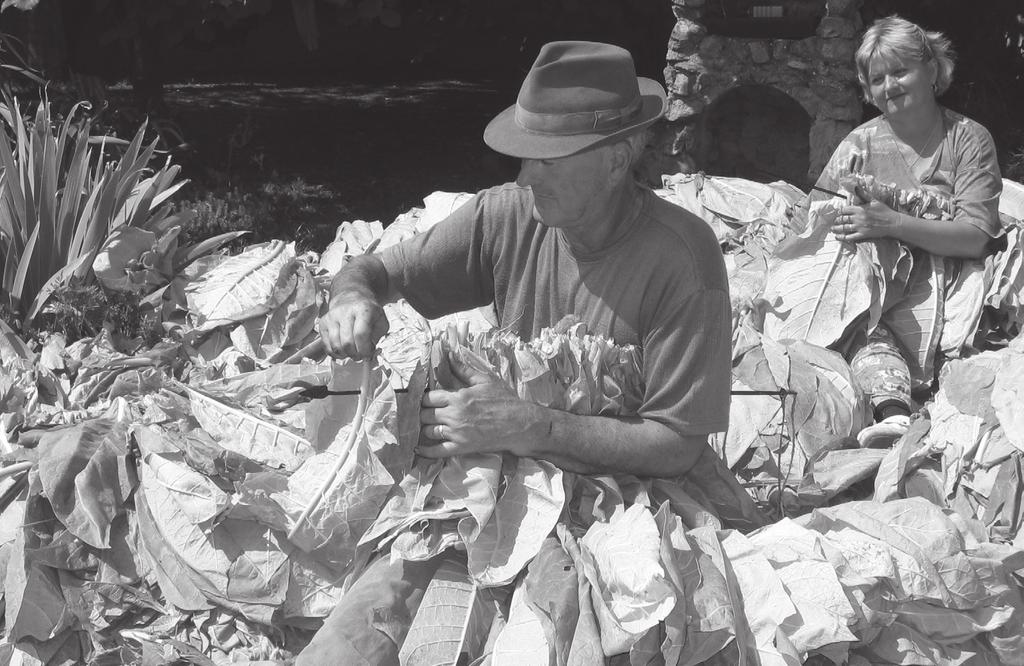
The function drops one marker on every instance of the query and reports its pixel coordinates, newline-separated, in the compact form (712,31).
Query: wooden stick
(350,441)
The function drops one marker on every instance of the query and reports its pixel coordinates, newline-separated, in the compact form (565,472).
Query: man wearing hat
(574,235)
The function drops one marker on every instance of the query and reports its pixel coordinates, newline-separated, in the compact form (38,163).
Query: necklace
(919,155)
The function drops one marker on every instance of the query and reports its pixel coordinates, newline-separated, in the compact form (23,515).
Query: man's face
(568,191)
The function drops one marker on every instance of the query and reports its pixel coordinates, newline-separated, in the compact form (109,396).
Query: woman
(922,175)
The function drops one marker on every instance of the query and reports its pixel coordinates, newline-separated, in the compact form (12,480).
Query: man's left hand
(485,417)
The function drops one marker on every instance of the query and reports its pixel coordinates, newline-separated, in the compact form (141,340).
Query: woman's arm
(944,238)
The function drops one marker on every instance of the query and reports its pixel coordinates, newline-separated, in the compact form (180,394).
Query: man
(574,235)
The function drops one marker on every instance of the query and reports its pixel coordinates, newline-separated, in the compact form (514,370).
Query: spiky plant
(61,196)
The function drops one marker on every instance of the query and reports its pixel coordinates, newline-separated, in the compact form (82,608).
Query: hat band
(581,122)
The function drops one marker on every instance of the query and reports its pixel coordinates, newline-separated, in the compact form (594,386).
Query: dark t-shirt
(661,286)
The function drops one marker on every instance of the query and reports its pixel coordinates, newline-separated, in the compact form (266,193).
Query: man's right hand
(352,326)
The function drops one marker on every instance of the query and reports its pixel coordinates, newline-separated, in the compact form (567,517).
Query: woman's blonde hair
(894,37)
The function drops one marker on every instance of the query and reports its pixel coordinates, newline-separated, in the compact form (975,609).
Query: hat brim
(505,136)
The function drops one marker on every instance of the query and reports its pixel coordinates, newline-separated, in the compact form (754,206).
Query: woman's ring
(441,431)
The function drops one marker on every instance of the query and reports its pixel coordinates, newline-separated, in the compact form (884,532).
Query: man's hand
(352,326)
(355,319)
(484,417)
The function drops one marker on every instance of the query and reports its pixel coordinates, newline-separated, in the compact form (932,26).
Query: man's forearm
(602,444)
(365,275)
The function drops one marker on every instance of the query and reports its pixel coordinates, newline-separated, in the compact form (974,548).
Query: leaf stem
(824,286)
(15,469)
(346,452)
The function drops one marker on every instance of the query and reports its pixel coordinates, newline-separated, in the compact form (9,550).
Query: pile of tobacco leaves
(208,499)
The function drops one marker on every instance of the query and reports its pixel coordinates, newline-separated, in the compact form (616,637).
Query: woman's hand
(868,221)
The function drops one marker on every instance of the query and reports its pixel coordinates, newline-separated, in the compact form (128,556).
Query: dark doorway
(756,132)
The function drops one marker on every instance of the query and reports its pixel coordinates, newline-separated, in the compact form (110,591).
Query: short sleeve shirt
(661,286)
(963,170)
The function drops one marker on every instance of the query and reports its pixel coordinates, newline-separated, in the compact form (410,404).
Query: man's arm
(487,416)
(355,319)
(601,444)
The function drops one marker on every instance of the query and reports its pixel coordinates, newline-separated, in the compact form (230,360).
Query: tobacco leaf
(314,587)
(586,639)
(84,473)
(454,618)
(522,641)
(964,302)
(680,564)
(523,517)
(284,326)
(249,284)
(34,604)
(1008,394)
(256,438)
(818,285)
(622,562)
(766,604)
(552,590)
(236,564)
(349,505)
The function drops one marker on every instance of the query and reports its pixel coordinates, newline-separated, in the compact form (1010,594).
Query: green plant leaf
(184,256)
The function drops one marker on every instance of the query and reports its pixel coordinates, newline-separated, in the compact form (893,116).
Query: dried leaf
(524,516)
(964,301)
(314,588)
(838,470)
(586,639)
(34,602)
(349,506)
(1008,395)
(286,325)
(246,285)
(522,641)
(765,602)
(453,619)
(680,564)
(622,562)
(199,498)
(247,434)
(819,285)
(237,564)
(173,577)
(552,590)
(83,472)
(916,320)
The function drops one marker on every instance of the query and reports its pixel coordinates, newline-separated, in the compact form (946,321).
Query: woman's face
(898,85)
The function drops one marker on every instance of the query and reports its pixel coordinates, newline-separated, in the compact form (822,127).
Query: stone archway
(755,132)
(705,63)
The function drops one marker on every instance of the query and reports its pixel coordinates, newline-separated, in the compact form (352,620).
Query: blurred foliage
(82,311)
(277,208)
(15,71)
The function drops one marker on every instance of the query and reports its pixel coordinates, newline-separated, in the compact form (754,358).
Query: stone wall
(817,72)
